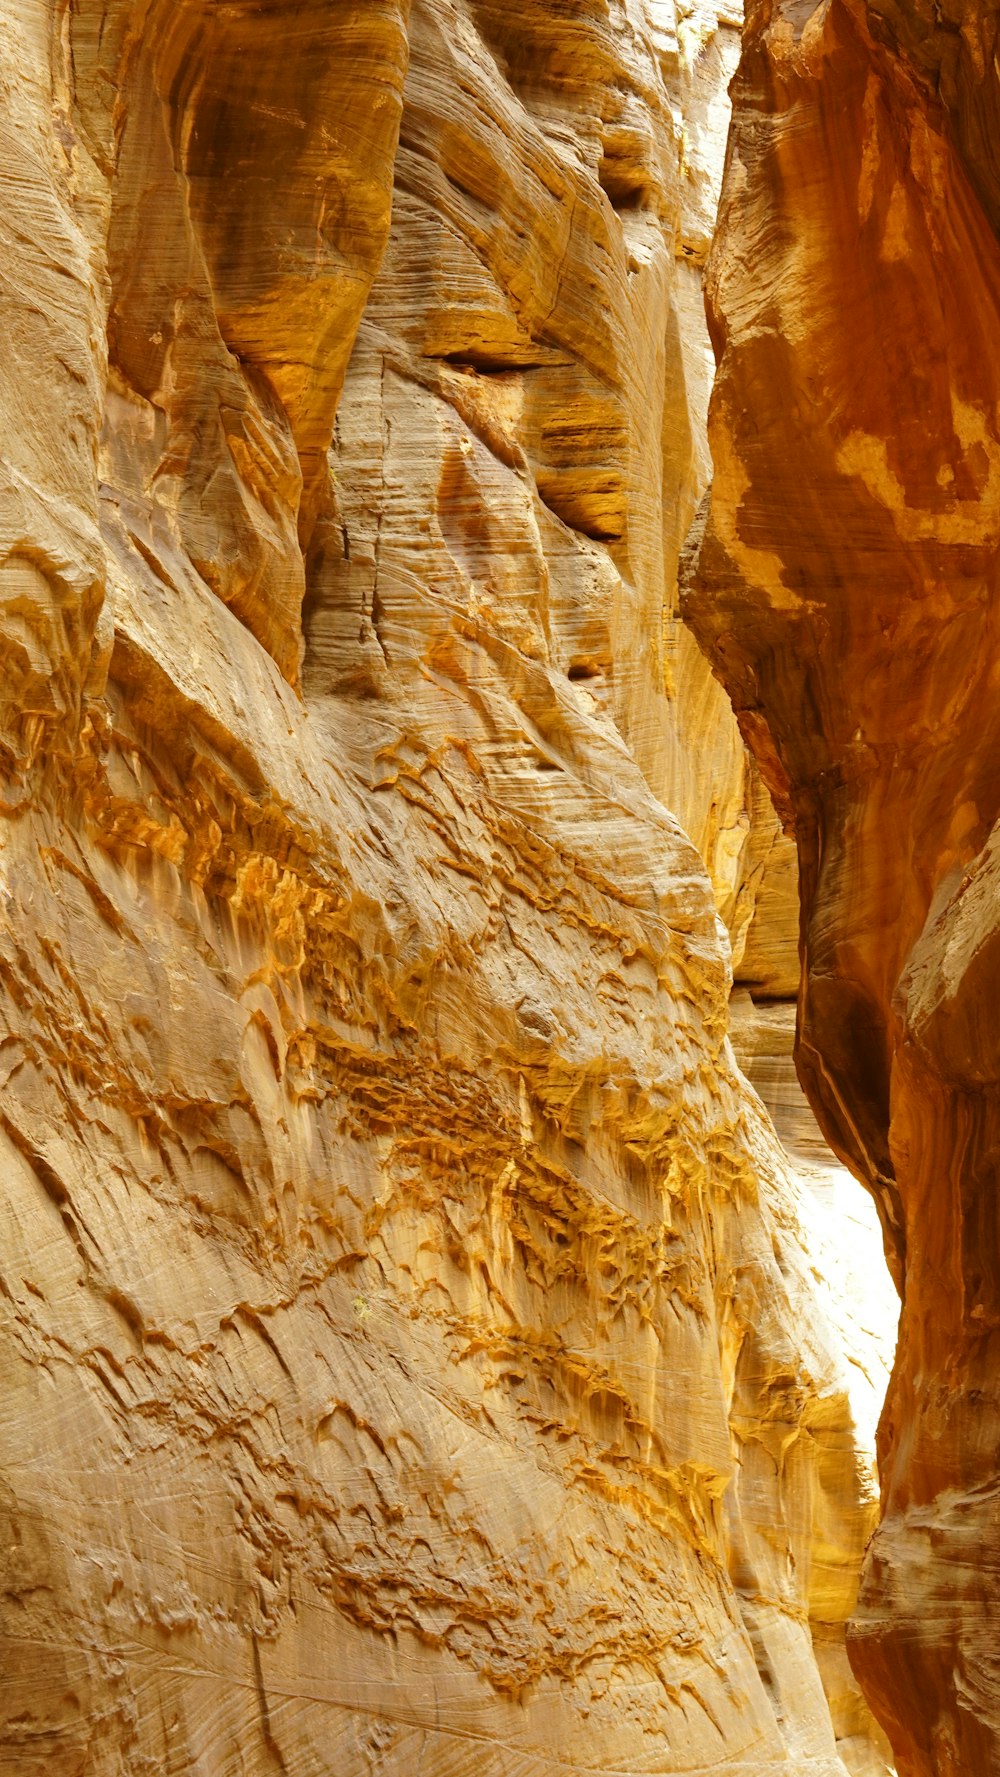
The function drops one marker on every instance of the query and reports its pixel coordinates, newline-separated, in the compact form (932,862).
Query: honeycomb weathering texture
(414,1354)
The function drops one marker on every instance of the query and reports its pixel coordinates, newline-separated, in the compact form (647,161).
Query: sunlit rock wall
(846,588)
(412,1355)
(841,1230)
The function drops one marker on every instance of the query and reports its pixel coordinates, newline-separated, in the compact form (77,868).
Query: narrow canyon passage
(436,1339)
(851,610)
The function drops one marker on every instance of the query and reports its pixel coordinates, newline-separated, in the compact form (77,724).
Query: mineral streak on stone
(412,1359)
(846,589)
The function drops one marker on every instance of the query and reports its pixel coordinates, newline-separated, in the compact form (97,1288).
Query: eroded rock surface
(846,588)
(842,1237)
(412,1359)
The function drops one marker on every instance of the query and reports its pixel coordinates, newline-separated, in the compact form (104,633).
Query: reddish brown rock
(845,586)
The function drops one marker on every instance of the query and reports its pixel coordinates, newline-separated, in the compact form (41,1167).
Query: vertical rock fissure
(417,1347)
(843,583)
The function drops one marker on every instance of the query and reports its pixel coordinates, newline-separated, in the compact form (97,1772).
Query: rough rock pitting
(412,1357)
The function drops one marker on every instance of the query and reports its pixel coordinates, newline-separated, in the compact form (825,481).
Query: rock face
(412,1359)
(842,1237)
(845,587)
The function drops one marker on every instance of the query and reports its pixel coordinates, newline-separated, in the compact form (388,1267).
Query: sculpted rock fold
(844,584)
(412,1356)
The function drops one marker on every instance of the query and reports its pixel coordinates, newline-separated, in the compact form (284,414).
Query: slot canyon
(499,1003)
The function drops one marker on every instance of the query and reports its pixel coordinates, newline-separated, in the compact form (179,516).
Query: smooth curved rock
(412,1357)
(844,584)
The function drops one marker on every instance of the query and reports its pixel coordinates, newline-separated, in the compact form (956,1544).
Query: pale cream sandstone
(413,1358)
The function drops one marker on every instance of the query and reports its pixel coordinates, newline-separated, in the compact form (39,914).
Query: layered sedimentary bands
(847,587)
(416,1355)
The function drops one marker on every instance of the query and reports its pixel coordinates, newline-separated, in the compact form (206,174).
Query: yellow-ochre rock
(415,1354)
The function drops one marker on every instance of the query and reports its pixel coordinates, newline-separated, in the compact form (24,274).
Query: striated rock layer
(412,1358)
(846,588)
(842,1237)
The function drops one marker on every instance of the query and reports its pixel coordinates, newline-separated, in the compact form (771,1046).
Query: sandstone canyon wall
(845,582)
(413,1360)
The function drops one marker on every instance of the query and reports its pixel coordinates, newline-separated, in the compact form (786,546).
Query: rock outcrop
(412,1356)
(845,585)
